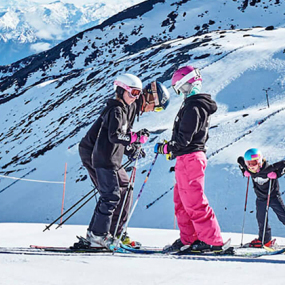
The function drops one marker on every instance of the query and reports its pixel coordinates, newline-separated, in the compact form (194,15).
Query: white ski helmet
(128,82)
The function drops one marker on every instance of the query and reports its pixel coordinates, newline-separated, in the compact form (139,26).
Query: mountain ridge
(47,107)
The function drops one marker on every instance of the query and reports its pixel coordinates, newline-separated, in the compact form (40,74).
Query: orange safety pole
(63,194)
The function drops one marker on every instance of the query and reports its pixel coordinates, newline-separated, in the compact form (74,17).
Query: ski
(142,249)
(82,247)
(246,256)
(69,249)
(257,252)
(53,250)
(272,249)
(227,250)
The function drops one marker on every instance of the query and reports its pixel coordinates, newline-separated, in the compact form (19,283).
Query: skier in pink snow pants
(197,222)
(195,218)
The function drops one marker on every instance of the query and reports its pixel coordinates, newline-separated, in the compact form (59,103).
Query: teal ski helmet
(253,154)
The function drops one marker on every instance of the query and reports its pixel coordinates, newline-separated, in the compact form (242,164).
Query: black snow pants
(112,186)
(277,206)
(114,210)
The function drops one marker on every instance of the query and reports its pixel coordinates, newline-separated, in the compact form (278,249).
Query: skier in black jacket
(196,220)
(103,146)
(255,166)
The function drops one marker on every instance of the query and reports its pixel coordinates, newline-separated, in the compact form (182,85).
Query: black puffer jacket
(260,179)
(108,136)
(190,130)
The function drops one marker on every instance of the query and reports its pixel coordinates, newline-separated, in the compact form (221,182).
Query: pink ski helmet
(185,74)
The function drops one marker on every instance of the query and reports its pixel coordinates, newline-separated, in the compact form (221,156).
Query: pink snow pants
(195,218)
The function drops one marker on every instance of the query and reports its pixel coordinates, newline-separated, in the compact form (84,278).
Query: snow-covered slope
(28,27)
(49,100)
(115,269)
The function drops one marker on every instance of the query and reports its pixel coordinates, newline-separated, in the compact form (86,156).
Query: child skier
(263,175)
(106,141)
(196,220)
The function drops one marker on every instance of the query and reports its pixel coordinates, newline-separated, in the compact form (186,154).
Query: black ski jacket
(260,179)
(108,136)
(190,130)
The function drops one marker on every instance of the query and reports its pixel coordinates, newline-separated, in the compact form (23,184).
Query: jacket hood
(205,101)
(115,102)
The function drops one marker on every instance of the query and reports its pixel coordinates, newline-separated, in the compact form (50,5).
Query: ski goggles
(185,89)
(252,163)
(194,75)
(151,97)
(133,92)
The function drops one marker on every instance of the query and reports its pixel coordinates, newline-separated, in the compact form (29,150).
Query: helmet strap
(120,94)
(143,102)
(125,103)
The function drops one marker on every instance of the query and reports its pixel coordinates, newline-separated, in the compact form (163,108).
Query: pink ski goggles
(133,92)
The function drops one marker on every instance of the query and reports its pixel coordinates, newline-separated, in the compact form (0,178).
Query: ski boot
(82,243)
(200,247)
(126,240)
(258,244)
(175,247)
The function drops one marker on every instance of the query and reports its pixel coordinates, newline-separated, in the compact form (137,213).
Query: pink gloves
(246,174)
(143,139)
(272,175)
(140,136)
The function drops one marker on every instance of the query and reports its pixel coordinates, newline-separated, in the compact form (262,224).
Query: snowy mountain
(49,100)
(28,27)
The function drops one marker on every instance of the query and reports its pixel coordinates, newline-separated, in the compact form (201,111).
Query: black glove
(143,132)
(132,152)
(241,164)
(138,155)
(240,161)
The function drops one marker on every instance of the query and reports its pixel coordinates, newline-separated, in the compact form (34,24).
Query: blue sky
(5,3)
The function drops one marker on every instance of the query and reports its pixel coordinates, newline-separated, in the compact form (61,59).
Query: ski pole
(150,204)
(266,212)
(245,203)
(129,189)
(132,211)
(48,227)
(17,180)
(75,211)
(127,163)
